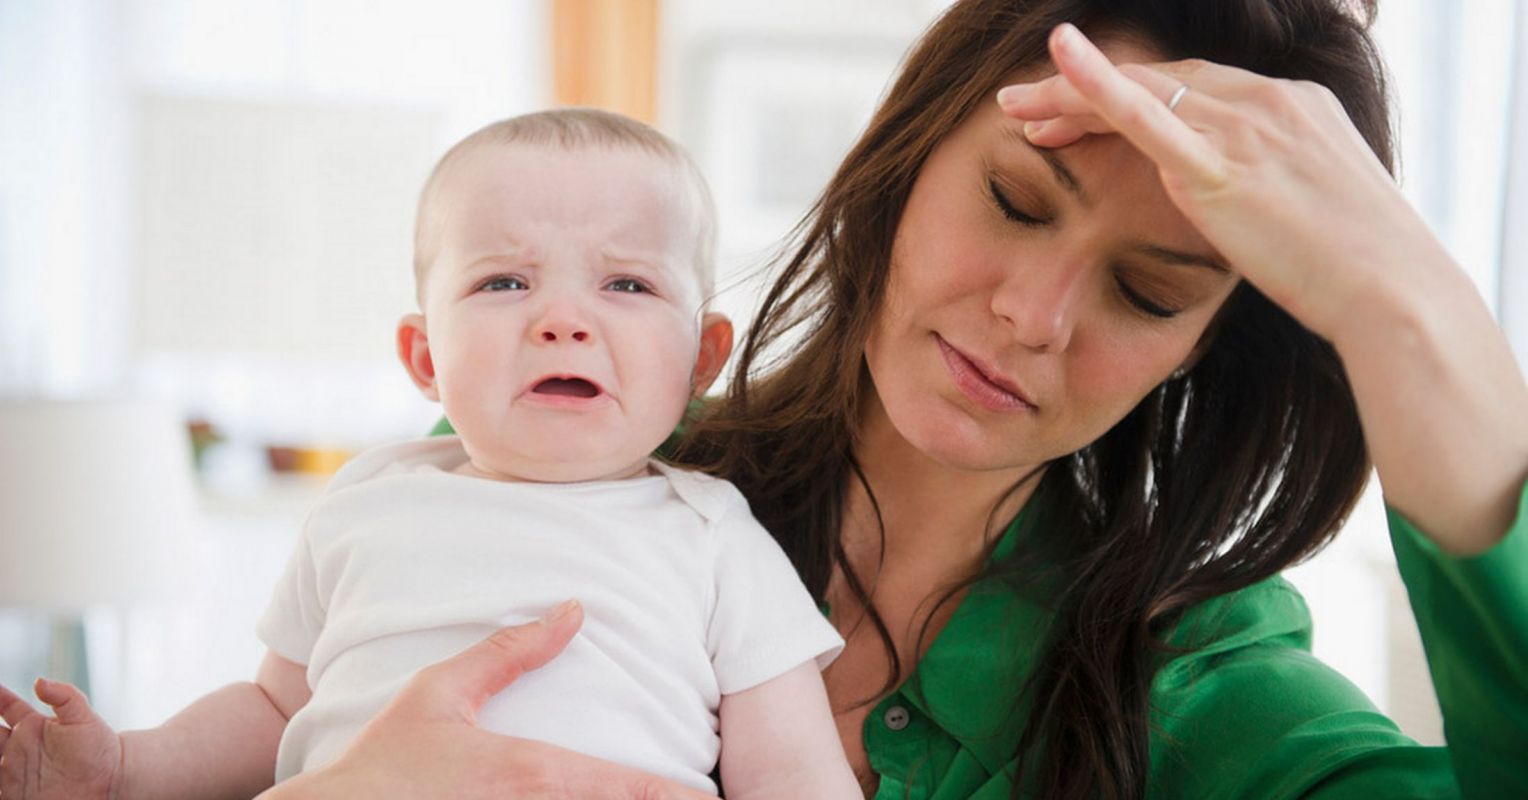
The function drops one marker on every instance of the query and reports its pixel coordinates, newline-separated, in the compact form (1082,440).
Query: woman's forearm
(223,745)
(1442,401)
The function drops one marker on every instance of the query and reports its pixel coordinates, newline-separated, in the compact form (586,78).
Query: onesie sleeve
(763,621)
(295,614)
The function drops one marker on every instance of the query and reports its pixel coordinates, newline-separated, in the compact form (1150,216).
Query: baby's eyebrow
(513,259)
(652,261)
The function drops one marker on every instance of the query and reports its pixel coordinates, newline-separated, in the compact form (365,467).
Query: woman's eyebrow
(1179,258)
(1069,181)
(1058,168)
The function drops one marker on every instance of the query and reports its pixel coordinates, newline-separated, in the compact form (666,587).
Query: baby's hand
(74,756)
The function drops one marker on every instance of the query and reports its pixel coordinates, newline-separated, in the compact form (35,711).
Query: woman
(1080,373)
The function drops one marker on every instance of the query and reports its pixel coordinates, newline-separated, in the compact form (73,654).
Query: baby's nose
(562,322)
(555,333)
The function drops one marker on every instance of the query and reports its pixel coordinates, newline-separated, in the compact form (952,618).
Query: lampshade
(95,502)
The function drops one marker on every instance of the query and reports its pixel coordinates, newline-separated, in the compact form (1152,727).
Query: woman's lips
(978,386)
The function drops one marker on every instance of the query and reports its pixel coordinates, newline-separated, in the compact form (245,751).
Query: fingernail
(1033,128)
(1067,35)
(1008,95)
(560,612)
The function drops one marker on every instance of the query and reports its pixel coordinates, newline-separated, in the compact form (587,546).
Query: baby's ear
(414,352)
(715,347)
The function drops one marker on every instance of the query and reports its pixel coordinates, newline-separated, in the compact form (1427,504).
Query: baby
(562,263)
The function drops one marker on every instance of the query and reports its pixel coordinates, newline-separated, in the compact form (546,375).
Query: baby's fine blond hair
(571,129)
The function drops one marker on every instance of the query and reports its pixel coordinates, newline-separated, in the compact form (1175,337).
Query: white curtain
(1513,282)
(64,278)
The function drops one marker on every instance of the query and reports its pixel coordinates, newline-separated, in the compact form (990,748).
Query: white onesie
(402,564)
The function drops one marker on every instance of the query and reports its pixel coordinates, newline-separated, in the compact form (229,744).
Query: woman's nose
(1040,304)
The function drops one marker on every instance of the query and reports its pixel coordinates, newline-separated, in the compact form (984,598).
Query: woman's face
(1035,296)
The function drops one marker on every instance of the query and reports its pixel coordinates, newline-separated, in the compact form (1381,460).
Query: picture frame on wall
(770,119)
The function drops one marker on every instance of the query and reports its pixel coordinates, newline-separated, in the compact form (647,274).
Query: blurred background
(205,226)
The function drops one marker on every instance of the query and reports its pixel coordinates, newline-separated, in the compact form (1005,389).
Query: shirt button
(896,718)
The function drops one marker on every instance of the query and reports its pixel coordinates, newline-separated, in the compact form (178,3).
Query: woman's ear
(715,347)
(414,352)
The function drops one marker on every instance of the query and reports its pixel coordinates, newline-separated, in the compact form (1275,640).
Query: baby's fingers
(13,709)
(69,703)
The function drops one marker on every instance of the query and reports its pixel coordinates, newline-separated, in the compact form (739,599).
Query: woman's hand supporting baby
(426,743)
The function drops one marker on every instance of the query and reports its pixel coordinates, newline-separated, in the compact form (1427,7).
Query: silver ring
(1172,102)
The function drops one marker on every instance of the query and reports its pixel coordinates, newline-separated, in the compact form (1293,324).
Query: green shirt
(1253,714)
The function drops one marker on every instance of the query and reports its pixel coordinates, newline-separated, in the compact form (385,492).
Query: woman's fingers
(1057,96)
(1092,95)
(459,686)
(603,780)
(642,788)
(1135,112)
(1062,131)
(570,774)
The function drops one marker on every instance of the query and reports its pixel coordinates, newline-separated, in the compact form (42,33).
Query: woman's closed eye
(1010,210)
(1140,298)
(1160,293)
(1140,302)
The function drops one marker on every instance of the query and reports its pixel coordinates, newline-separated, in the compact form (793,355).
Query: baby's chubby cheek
(665,382)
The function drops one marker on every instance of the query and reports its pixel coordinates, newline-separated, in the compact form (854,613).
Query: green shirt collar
(968,682)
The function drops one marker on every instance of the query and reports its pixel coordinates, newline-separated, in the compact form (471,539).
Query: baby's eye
(504,283)
(628,285)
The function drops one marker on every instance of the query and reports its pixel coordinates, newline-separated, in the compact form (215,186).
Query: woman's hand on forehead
(1276,177)
(1260,166)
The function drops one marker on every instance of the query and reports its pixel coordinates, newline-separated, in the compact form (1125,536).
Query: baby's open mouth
(566,387)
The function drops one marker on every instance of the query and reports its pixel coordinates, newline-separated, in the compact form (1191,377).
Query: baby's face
(562,310)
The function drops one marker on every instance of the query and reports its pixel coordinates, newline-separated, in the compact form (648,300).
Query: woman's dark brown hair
(1216,480)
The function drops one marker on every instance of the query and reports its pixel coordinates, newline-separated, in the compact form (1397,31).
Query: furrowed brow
(1177,258)
(510,259)
(1069,181)
(1058,168)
